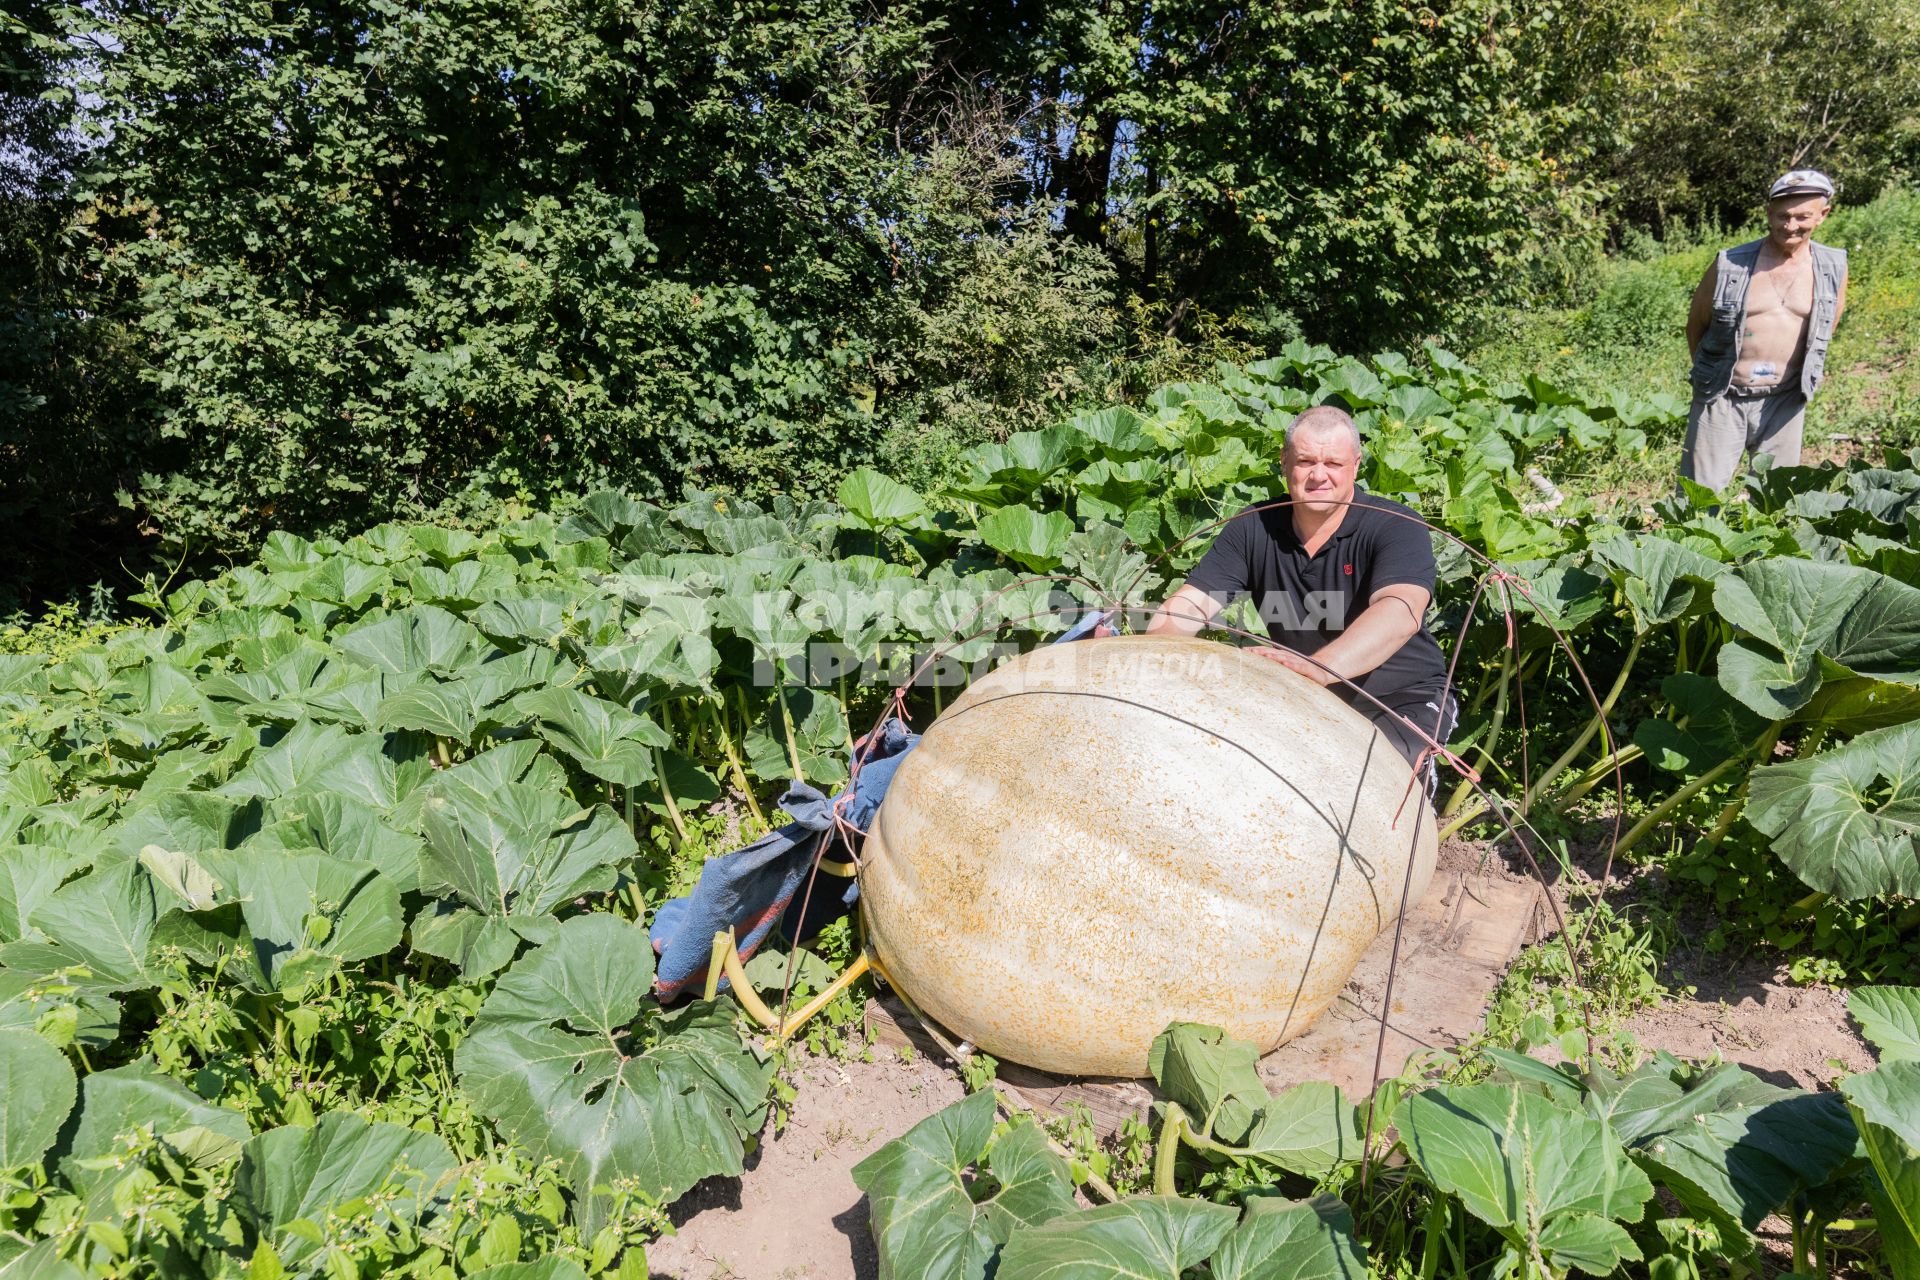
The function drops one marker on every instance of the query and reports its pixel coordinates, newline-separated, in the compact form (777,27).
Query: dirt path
(796,1214)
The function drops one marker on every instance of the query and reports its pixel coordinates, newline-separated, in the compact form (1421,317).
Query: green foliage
(929,1221)
(1310,1129)
(1375,169)
(292,1182)
(1731,93)
(1883,1103)
(495,257)
(1555,1183)
(1142,1236)
(70,426)
(556,1058)
(1891,1019)
(281,842)
(39,1093)
(1541,1171)
(1845,821)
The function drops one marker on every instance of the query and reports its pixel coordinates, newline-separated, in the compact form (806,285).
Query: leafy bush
(385,276)
(1730,93)
(1376,170)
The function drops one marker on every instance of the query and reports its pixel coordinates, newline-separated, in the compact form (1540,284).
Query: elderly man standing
(1340,575)
(1758,331)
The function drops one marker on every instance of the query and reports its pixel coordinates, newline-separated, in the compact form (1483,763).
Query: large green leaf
(1033,539)
(302,1187)
(539,616)
(819,734)
(1886,1106)
(1890,1019)
(1659,577)
(766,620)
(1310,1129)
(878,501)
(443,708)
(126,1101)
(559,1061)
(544,1269)
(1004,472)
(516,848)
(605,513)
(422,637)
(925,1217)
(442,545)
(1822,619)
(190,822)
(1742,1152)
(333,824)
(101,924)
(326,758)
(478,944)
(663,644)
(36,1093)
(1716,726)
(1728,1145)
(28,875)
(1209,1074)
(1142,1238)
(306,914)
(1292,1240)
(61,1013)
(606,739)
(1518,1161)
(1846,820)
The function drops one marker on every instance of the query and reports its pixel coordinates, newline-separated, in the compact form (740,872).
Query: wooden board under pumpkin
(1456,946)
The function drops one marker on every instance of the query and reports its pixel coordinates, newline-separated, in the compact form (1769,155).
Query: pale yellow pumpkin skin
(1102,837)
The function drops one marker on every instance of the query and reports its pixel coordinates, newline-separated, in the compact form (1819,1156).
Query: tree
(1734,92)
(70,428)
(1367,167)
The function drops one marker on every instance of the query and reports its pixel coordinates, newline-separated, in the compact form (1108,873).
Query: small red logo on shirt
(1348,569)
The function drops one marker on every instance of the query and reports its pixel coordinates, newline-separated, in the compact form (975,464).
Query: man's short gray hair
(1327,417)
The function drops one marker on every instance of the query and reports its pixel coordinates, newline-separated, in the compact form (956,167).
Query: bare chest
(1781,292)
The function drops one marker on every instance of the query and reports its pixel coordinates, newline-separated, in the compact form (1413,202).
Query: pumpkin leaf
(1890,1019)
(560,1059)
(293,1181)
(1846,821)
(1292,1240)
(926,1221)
(37,1089)
(1143,1236)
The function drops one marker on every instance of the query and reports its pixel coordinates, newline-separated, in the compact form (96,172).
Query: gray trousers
(1721,429)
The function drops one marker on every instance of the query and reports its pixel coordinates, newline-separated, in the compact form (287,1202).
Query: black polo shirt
(1308,600)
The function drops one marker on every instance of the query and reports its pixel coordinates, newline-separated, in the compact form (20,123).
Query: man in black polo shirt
(1341,575)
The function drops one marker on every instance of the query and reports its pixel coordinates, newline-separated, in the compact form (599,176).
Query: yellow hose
(742,989)
(726,959)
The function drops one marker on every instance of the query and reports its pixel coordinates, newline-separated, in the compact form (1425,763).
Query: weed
(1542,1002)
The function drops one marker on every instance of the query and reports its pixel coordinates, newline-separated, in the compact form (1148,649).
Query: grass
(1631,338)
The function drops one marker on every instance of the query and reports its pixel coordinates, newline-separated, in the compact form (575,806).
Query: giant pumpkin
(1100,838)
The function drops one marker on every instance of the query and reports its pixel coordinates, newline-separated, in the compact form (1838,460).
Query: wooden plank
(1456,946)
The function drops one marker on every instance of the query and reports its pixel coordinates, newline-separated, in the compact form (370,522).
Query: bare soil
(1748,1012)
(796,1214)
(1743,1010)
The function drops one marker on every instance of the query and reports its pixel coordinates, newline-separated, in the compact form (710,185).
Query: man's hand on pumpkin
(1295,662)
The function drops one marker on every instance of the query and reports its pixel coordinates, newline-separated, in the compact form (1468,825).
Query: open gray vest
(1719,348)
